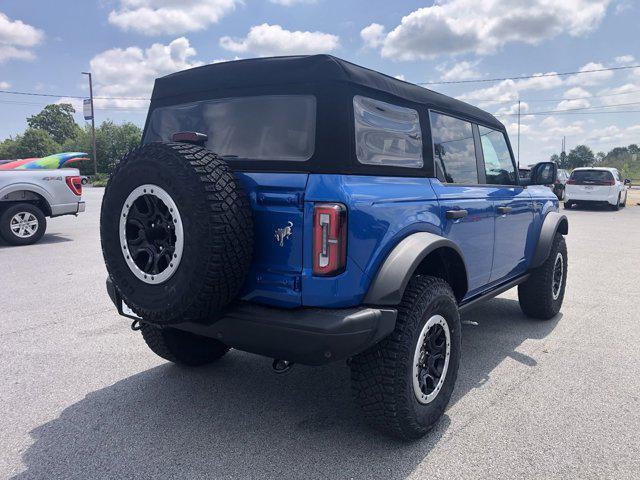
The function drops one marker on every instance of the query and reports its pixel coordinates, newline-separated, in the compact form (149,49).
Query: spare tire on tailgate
(176,232)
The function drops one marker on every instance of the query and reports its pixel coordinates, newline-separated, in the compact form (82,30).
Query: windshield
(275,127)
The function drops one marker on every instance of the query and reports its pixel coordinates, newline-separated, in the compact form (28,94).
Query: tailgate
(277,201)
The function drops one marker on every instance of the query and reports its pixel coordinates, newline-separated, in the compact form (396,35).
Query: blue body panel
(381,211)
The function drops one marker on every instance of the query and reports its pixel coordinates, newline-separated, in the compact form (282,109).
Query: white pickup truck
(28,196)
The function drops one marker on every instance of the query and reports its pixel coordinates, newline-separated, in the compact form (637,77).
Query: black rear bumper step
(310,336)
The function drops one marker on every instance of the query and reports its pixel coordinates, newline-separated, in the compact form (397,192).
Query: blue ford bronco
(311,210)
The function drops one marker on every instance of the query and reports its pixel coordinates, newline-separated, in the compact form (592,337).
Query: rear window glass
(588,176)
(387,134)
(272,127)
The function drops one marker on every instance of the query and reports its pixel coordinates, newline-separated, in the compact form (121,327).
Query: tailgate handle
(504,210)
(456,214)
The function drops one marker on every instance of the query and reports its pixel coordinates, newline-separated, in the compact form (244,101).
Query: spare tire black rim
(431,359)
(151,234)
(558,274)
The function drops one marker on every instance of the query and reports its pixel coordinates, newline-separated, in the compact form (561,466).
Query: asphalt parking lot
(82,397)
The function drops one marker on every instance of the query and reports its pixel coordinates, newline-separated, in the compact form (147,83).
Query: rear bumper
(67,209)
(310,336)
(596,197)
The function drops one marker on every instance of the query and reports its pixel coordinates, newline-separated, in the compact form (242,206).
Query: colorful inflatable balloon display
(51,162)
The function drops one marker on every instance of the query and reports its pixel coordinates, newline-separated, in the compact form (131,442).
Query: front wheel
(22,224)
(542,294)
(404,383)
(183,348)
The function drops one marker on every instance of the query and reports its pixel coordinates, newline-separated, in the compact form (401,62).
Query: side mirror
(627,181)
(543,173)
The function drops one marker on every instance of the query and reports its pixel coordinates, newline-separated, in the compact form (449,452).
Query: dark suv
(311,210)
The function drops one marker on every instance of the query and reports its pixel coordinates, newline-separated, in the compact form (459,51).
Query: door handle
(456,214)
(504,210)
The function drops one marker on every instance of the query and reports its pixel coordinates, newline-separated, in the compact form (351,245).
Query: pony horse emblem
(283,233)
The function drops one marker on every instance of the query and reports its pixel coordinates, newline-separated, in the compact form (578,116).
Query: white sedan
(596,185)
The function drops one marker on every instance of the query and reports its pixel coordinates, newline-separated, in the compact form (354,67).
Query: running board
(478,299)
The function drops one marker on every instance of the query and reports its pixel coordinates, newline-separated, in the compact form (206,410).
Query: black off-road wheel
(22,224)
(403,384)
(177,233)
(180,347)
(542,294)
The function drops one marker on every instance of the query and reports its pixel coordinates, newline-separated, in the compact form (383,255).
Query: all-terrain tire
(27,209)
(382,377)
(537,296)
(217,230)
(183,348)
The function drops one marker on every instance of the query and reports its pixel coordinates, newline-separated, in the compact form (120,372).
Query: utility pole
(93,124)
(518,134)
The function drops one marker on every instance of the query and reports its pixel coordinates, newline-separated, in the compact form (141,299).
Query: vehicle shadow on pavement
(235,419)
(47,238)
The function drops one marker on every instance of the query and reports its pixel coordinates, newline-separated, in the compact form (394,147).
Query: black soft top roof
(292,70)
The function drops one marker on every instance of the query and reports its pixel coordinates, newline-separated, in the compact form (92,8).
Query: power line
(548,112)
(533,114)
(35,94)
(524,77)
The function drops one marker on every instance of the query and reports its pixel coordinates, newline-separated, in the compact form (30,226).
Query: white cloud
(510,90)
(625,59)
(627,93)
(17,38)
(554,128)
(130,72)
(614,135)
(590,79)
(573,104)
(373,35)
(513,109)
(267,40)
(457,26)
(575,93)
(400,77)
(156,17)
(459,71)
(4,85)
(289,3)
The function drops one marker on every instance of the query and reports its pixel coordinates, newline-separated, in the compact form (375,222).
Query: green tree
(35,142)
(57,120)
(114,141)
(581,156)
(8,149)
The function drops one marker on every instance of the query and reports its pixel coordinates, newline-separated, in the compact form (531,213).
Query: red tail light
(329,239)
(75,184)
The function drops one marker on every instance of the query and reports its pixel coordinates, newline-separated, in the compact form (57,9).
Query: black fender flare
(553,223)
(397,269)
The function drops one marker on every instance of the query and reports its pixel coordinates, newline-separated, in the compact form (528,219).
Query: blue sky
(44,46)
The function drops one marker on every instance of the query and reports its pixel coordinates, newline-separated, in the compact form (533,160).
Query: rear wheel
(542,294)
(22,224)
(183,348)
(404,383)
(616,207)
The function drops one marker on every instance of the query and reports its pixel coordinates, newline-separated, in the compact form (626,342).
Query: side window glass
(497,158)
(387,134)
(453,149)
